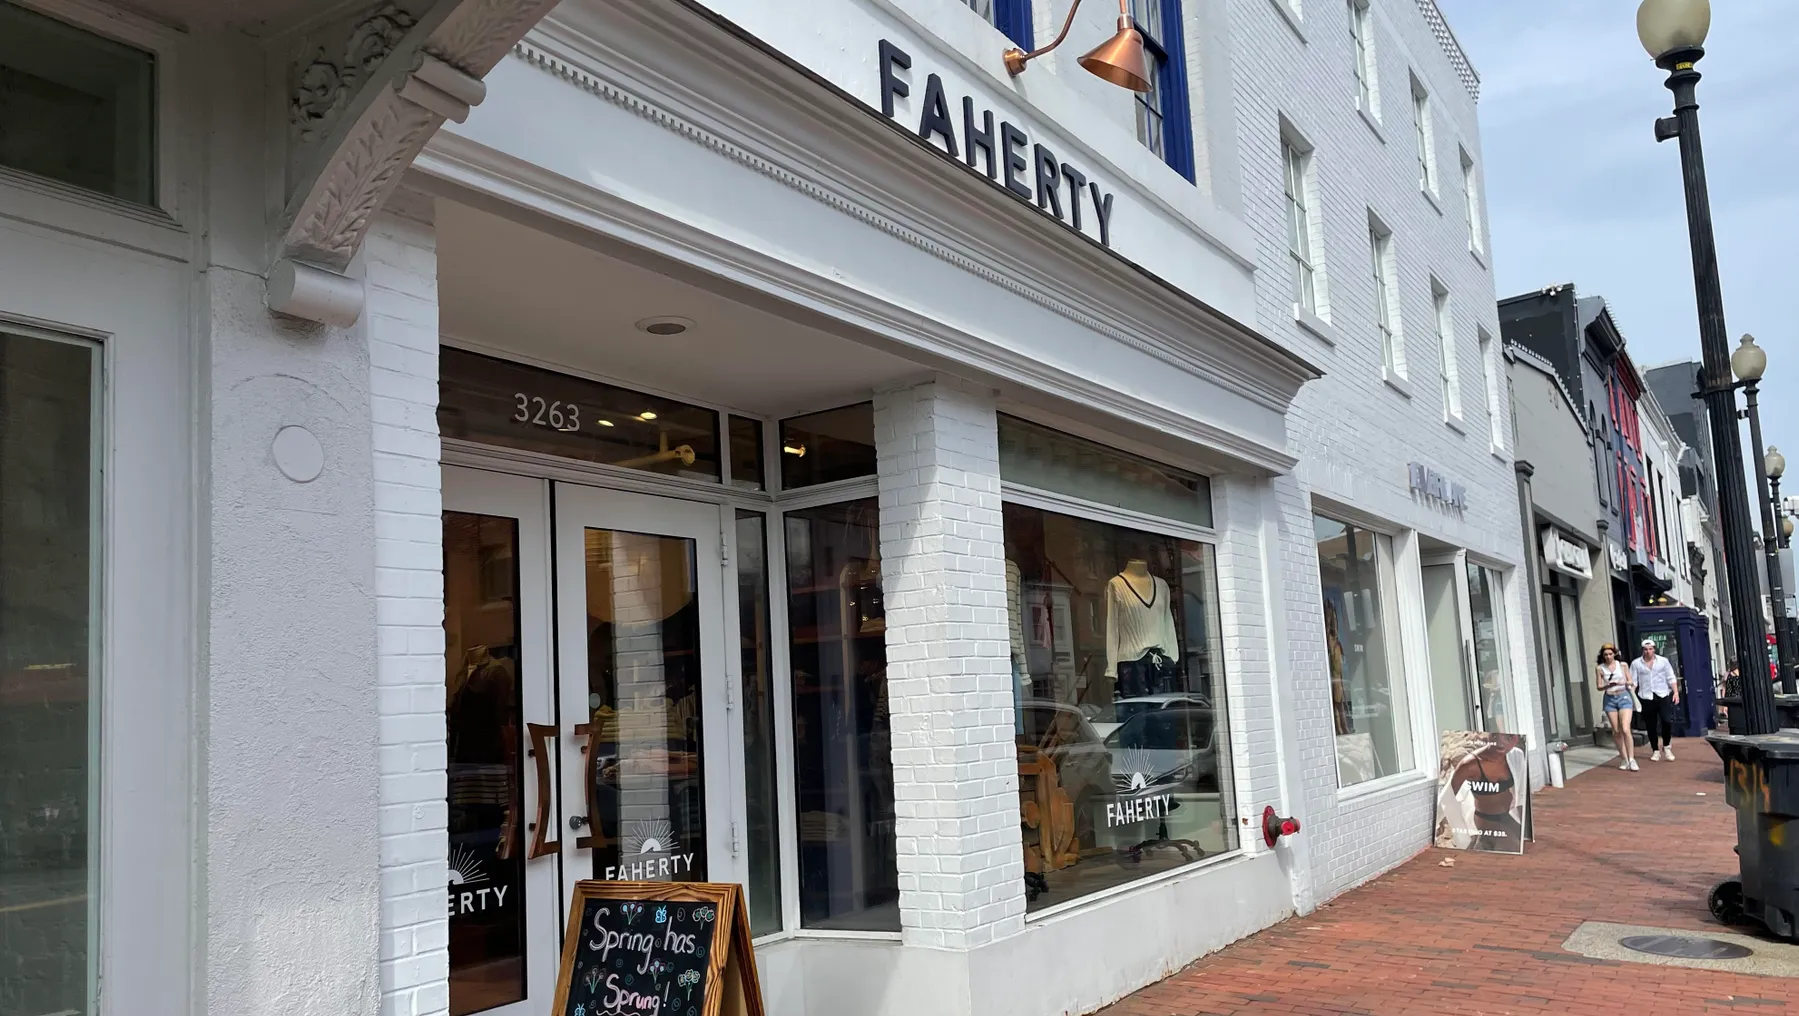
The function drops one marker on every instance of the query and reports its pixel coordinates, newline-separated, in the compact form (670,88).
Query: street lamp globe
(1668,25)
(1786,527)
(1775,463)
(1750,361)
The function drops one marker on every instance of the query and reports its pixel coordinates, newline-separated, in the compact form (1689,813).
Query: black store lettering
(998,151)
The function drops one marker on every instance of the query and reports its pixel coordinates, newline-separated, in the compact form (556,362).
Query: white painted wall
(1354,432)
(399,327)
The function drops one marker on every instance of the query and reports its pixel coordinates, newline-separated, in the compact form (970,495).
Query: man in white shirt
(1659,689)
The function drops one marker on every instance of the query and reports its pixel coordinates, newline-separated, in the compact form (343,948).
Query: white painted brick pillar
(949,683)
(399,324)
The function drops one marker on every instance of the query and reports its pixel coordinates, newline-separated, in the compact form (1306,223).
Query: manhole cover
(1686,948)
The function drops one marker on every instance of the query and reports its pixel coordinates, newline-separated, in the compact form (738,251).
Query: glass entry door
(1465,623)
(586,709)
(643,738)
(1444,626)
(505,890)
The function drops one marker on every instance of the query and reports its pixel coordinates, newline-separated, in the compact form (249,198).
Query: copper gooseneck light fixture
(1119,60)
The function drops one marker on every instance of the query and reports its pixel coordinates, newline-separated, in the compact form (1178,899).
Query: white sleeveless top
(1615,678)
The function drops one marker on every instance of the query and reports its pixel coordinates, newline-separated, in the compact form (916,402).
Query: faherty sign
(1001,149)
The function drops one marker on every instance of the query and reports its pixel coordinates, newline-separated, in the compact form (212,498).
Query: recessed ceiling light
(646,415)
(664,325)
(604,423)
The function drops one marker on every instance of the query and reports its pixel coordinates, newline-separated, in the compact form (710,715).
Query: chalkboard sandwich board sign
(657,949)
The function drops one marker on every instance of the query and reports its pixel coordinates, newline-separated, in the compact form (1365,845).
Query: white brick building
(479,447)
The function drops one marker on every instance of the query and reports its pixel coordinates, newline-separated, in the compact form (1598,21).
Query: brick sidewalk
(1484,937)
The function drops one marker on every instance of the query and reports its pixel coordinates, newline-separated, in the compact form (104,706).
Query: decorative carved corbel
(368,113)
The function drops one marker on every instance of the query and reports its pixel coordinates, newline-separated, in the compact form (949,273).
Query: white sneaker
(1657,757)
(1633,765)
(1668,756)
(1624,765)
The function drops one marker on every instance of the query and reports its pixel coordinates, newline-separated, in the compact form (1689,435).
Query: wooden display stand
(657,949)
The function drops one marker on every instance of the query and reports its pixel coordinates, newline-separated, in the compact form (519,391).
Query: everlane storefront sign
(996,146)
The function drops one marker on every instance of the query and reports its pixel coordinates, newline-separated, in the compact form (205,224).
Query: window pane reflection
(837,444)
(76,107)
(1123,757)
(764,890)
(842,743)
(646,792)
(46,751)
(482,715)
(746,453)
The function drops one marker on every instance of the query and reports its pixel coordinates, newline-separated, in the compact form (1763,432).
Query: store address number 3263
(535,411)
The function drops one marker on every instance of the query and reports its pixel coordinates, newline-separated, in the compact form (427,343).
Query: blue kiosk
(1682,635)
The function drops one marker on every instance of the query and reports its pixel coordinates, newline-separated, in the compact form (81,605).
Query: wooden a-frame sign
(657,949)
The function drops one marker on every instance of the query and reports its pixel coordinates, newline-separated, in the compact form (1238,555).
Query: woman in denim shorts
(1616,682)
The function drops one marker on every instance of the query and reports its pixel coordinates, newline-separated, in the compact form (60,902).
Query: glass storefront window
(837,444)
(498,402)
(746,453)
(764,889)
(1487,616)
(483,710)
(1368,695)
(76,107)
(1123,748)
(842,740)
(1035,456)
(47,673)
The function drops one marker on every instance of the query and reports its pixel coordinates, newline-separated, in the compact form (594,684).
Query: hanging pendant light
(1119,60)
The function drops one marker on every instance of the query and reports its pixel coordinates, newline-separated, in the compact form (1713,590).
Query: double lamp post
(1673,31)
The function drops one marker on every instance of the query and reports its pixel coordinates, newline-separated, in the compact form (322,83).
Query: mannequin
(1139,618)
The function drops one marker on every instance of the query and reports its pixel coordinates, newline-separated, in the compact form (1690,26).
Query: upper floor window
(1012,17)
(1496,400)
(1297,166)
(1471,204)
(1164,123)
(1423,131)
(1386,297)
(76,107)
(1361,26)
(1452,380)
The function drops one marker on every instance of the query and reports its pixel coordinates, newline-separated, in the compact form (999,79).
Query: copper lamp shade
(1120,59)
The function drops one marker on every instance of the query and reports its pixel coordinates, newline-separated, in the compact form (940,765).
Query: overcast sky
(1578,190)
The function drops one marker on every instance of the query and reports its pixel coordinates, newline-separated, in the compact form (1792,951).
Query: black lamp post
(1785,631)
(1673,31)
(1749,363)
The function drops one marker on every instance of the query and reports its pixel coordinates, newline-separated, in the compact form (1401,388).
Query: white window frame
(1471,210)
(1305,244)
(1497,403)
(1362,62)
(1425,134)
(141,825)
(1449,368)
(1384,265)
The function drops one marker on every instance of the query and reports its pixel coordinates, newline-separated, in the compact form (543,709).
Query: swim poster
(1482,785)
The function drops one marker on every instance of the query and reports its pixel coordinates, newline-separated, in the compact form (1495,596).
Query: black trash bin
(1761,781)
